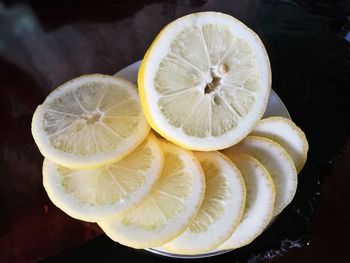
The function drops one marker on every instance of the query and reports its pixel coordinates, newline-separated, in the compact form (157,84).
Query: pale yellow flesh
(207,82)
(286,133)
(90,121)
(217,191)
(110,183)
(169,208)
(94,118)
(98,193)
(260,201)
(221,210)
(278,163)
(167,199)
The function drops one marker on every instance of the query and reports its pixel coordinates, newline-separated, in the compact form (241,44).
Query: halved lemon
(260,202)
(170,207)
(205,81)
(286,133)
(221,209)
(89,121)
(95,194)
(278,163)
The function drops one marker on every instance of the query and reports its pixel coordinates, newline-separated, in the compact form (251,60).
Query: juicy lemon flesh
(110,183)
(221,209)
(278,163)
(216,192)
(286,133)
(167,199)
(207,82)
(259,204)
(95,117)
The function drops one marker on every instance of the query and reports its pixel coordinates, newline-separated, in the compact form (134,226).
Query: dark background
(45,43)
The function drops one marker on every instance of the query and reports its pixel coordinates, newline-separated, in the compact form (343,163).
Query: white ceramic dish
(275,107)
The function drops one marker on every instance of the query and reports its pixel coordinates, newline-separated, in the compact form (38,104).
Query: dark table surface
(45,43)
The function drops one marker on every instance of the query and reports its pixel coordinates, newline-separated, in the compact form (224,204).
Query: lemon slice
(170,207)
(205,81)
(90,121)
(288,135)
(94,194)
(260,201)
(221,209)
(278,163)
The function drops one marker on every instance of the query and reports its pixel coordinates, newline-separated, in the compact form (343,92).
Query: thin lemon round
(205,81)
(278,163)
(286,133)
(221,210)
(169,209)
(90,121)
(98,193)
(260,202)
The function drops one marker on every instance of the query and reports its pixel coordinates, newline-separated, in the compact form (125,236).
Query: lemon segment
(170,207)
(98,193)
(205,81)
(89,121)
(221,209)
(259,206)
(286,133)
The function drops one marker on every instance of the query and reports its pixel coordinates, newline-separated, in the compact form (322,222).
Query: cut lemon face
(90,121)
(221,209)
(170,207)
(278,163)
(205,81)
(260,201)
(95,194)
(288,135)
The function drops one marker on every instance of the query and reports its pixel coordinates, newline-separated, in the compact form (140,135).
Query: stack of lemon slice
(203,85)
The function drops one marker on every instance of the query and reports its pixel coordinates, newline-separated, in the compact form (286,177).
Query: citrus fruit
(168,210)
(221,209)
(260,201)
(97,193)
(288,135)
(278,163)
(89,121)
(205,81)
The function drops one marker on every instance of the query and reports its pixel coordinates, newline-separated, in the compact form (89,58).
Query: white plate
(275,107)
